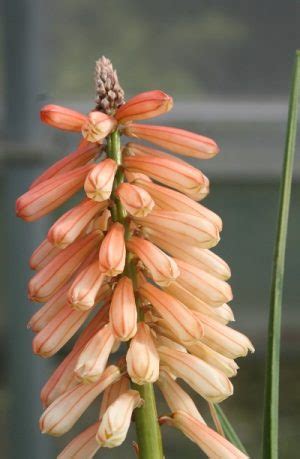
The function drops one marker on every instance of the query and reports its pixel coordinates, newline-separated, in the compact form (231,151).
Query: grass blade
(229,431)
(271,401)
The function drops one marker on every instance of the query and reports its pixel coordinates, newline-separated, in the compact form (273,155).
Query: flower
(131,262)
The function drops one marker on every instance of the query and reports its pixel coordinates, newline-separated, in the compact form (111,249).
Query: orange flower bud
(99,182)
(176,140)
(43,254)
(97,126)
(113,251)
(144,106)
(123,313)
(62,117)
(136,200)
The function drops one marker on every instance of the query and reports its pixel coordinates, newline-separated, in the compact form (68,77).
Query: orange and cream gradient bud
(113,251)
(97,126)
(83,291)
(142,357)
(123,311)
(98,184)
(62,118)
(43,254)
(116,420)
(144,106)
(136,200)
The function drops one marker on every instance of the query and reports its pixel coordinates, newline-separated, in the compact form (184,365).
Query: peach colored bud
(137,149)
(176,140)
(182,177)
(62,414)
(113,392)
(93,359)
(62,118)
(63,378)
(43,254)
(85,152)
(221,313)
(162,340)
(136,201)
(207,288)
(50,194)
(178,318)
(142,357)
(132,176)
(113,251)
(144,106)
(206,380)
(97,126)
(213,444)
(176,398)
(102,222)
(71,224)
(99,182)
(53,276)
(183,228)
(201,258)
(58,331)
(123,312)
(116,420)
(224,339)
(41,318)
(83,291)
(83,446)
(213,358)
(161,267)
(167,199)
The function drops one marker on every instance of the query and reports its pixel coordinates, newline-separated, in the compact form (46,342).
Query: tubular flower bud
(183,228)
(85,152)
(53,276)
(63,378)
(176,140)
(136,149)
(182,177)
(113,392)
(62,414)
(97,126)
(58,331)
(221,313)
(206,380)
(178,318)
(176,398)
(116,420)
(208,288)
(142,357)
(123,312)
(167,199)
(83,446)
(161,267)
(93,359)
(223,339)
(50,194)
(99,182)
(40,319)
(112,251)
(213,358)
(144,106)
(136,200)
(83,291)
(43,254)
(71,224)
(201,258)
(62,118)
(213,444)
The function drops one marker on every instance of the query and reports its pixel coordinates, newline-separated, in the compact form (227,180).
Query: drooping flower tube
(130,262)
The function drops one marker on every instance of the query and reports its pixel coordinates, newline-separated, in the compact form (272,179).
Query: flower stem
(146,421)
(270,440)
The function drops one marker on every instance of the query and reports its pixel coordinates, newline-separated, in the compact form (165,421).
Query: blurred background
(228,65)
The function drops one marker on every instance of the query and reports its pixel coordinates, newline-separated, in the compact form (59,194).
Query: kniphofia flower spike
(134,254)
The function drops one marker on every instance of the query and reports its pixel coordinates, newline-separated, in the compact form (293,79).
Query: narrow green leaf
(271,402)
(229,431)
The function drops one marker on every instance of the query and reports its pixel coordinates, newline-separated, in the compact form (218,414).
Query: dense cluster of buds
(132,260)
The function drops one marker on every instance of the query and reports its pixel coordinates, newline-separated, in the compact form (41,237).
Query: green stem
(271,404)
(146,420)
(229,431)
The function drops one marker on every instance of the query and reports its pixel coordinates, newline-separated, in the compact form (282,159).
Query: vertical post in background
(24,22)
